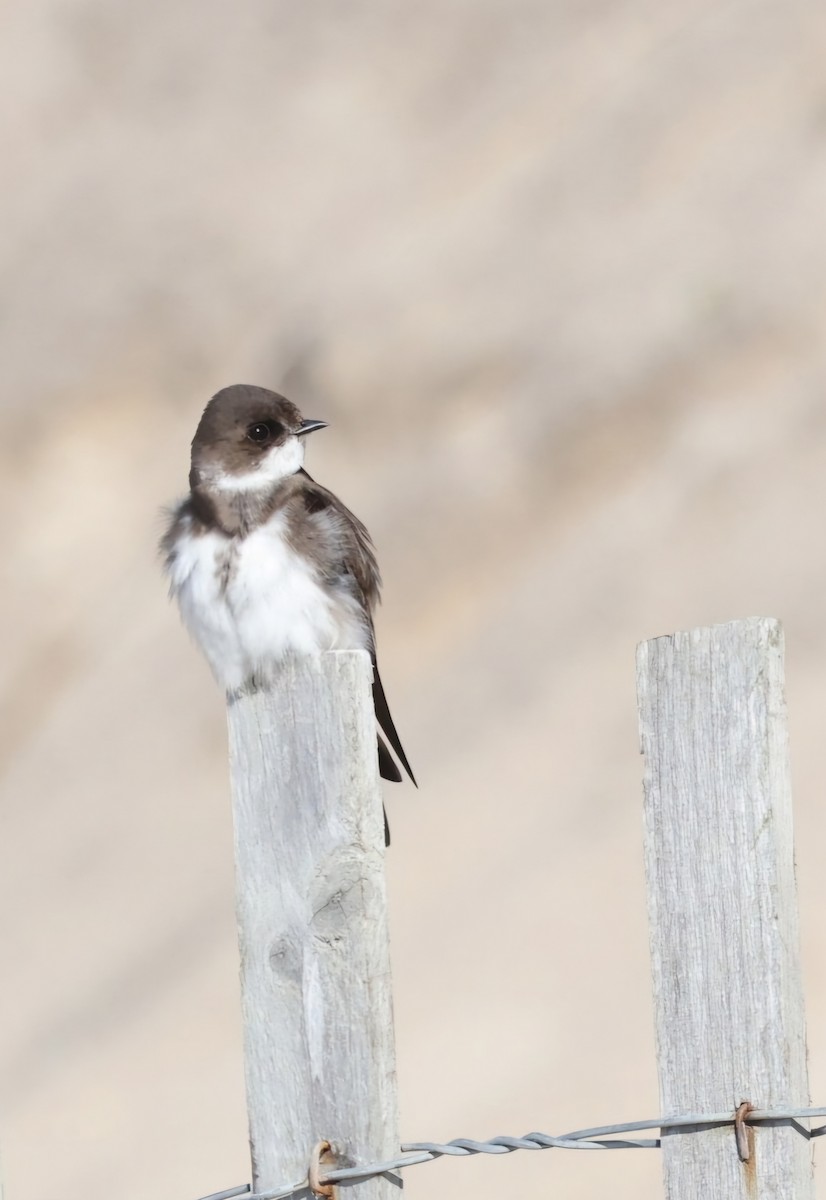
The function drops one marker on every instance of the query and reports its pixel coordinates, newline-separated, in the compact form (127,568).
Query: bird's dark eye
(259,432)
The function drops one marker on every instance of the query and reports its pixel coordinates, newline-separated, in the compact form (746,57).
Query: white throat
(276,465)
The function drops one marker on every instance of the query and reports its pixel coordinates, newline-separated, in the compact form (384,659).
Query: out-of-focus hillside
(556,275)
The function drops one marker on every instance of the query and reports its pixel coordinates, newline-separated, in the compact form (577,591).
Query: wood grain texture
(312,921)
(722,902)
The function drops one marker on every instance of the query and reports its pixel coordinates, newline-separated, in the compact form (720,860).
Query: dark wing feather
(386,723)
(388,768)
(358,560)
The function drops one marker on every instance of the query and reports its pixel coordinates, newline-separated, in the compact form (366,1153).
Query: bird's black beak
(309,426)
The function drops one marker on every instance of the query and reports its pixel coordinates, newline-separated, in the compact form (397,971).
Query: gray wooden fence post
(312,922)
(722,903)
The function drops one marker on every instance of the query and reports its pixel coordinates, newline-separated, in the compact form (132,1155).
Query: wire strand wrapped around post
(312,921)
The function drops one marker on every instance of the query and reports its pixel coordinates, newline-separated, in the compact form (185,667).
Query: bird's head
(247,440)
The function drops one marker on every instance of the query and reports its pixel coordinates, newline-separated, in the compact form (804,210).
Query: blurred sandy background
(556,275)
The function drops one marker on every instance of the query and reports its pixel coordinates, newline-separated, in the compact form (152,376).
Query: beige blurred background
(556,275)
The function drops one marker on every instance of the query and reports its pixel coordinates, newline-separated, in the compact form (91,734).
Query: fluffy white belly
(249,602)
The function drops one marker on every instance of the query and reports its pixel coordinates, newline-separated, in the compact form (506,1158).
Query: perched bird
(263,561)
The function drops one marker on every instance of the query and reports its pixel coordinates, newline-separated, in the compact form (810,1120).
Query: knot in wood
(338,898)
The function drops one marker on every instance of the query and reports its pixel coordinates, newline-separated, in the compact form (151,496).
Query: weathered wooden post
(722,907)
(312,922)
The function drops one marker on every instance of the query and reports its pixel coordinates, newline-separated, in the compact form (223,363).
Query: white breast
(248,602)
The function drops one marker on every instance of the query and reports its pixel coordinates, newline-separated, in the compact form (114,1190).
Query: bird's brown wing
(355,557)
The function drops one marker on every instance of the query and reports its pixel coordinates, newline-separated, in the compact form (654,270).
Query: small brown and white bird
(263,561)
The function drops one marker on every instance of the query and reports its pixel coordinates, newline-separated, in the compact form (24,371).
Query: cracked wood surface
(722,902)
(312,921)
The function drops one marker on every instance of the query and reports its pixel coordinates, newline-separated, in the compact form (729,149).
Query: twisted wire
(600,1137)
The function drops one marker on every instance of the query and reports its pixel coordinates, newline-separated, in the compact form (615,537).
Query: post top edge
(337,663)
(772,626)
